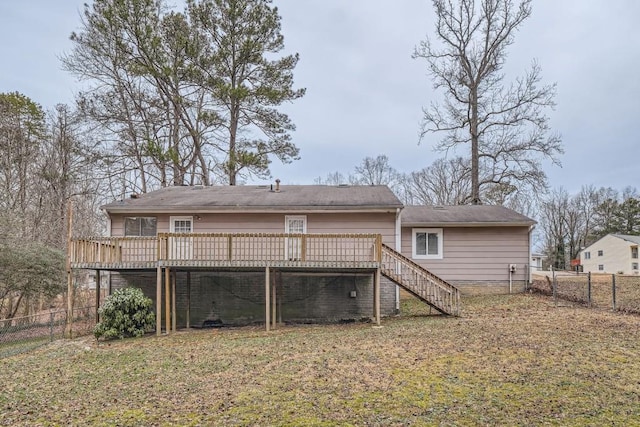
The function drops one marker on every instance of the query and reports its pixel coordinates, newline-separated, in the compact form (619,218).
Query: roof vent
(134,195)
(343,185)
(198,187)
(439,207)
(277,185)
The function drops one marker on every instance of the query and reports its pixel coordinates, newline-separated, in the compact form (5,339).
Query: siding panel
(477,255)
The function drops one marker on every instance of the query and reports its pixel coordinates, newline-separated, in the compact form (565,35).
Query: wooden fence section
(227,249)
(431,289)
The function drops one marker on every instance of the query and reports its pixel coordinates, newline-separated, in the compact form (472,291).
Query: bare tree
(505,124)
(376,171)
(336,178)
(553,215)
(444,182)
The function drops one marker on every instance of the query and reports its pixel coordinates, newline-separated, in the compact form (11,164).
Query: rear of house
(238,255)
(208,294)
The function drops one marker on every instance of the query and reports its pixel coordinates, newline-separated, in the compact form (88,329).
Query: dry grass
(510,360)
(575,288)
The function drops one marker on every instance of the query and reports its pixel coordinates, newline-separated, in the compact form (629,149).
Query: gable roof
(463,216)
(260,198)
(628,238)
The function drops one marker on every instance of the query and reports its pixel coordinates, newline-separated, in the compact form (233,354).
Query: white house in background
(536,261)
(614,253)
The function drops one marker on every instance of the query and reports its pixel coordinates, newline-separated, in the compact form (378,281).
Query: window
(140,226)
(601,267)
(427,243)
(600,252)
(634,252)
(587,255)
(634,265)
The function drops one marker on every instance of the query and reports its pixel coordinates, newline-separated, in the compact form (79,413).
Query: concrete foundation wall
(238,298)
(489,288)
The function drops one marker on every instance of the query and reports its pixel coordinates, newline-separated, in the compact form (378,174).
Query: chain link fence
(610,291)
(21,334)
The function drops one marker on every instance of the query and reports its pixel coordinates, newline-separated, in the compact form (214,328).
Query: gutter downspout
(531,228)
(398,249)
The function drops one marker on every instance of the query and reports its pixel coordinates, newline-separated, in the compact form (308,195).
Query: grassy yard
(509,360)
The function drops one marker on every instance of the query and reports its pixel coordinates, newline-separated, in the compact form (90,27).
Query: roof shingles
(245,197)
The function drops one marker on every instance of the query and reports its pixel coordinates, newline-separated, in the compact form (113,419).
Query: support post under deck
(158,300)
(376,296)
(98,287)
(267,303)
(167,300)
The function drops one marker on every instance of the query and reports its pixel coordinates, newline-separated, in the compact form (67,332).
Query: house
(300,253)
(478,248)
(537,260)
(613,253)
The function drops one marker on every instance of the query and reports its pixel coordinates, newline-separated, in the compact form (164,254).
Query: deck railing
(227,247)
(113,250)
(435,291)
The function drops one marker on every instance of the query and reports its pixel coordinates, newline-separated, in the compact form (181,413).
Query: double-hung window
(426,243)
(140,226)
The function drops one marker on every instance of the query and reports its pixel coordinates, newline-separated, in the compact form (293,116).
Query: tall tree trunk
(475,160)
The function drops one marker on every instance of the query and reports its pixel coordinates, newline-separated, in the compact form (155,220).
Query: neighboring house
(614,253)
(536,261)
(308,253)
(480,249)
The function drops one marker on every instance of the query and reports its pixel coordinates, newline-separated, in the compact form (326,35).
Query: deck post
(188,299)
(267,311)
(159,301)
(167,300)
(173,300)
(376,295)
(98,287)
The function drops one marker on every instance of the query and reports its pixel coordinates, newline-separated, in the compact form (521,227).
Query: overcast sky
(365,93)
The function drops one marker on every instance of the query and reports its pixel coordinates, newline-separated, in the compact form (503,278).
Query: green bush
(125,313)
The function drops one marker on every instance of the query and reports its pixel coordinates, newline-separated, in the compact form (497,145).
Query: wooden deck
(223,250)
(169,251)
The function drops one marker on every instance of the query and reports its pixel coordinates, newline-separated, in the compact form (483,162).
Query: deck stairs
(426,286)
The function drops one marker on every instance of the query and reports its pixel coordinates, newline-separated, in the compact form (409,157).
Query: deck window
(140,226)
(634,265)
(601,267)
(634,252)
(427,243)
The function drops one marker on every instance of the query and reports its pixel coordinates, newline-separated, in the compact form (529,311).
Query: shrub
(125,313)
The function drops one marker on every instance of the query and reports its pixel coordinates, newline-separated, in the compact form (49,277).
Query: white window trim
(437,231)
(294,217)
(173,219)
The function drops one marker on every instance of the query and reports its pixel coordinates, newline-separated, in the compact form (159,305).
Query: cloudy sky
(365,93)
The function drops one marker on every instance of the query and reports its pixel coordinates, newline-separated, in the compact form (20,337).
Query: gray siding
(347,222)
(477,258)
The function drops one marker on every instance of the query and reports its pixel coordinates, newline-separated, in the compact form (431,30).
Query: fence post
(554,284)
(613,291)
(589,288)
(51,325)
